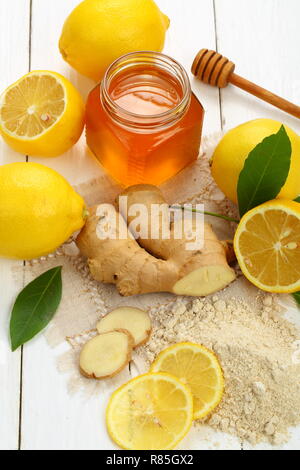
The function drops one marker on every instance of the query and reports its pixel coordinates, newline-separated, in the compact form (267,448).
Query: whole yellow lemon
(230,155)
(39,210)
(97,32)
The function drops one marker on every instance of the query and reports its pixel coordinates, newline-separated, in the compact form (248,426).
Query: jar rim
(162,61)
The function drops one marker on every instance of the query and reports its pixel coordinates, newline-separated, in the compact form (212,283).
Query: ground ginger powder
(259,353)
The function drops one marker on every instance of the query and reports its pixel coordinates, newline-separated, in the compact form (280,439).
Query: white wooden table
(262,38)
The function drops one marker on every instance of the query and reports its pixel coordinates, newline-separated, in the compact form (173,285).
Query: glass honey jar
(144,124)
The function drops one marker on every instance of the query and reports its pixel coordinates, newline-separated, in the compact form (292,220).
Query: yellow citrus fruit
(97,32)
(267,246)
(42,114)
(39,210)
(230,155)
(198,368)
(151,412)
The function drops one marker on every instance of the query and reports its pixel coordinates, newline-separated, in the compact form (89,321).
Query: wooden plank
(10,363)
(262,38)
(47,22)
(191,29)
(14,55)
(51,418)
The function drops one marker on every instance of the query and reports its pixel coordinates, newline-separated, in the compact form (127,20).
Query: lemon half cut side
(267,246)
(198,368)
(42,114)
(150,412)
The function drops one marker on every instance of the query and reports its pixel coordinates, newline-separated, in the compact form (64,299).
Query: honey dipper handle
(265,95)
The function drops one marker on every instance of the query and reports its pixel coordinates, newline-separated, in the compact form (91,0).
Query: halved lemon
(267,246)
(197,367)
(42,114)
(151,412)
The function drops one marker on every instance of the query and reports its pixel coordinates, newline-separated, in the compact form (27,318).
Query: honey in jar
(143,122)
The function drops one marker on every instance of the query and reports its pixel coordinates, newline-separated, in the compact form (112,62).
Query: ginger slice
(134,320)
(204,281)
(106,355)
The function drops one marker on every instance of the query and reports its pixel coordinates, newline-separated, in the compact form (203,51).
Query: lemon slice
(197,367)
(267,246)
(41,114)
(151,412)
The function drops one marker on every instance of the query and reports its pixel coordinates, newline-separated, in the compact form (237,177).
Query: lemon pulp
(267,245)
(151,412)
(197,367)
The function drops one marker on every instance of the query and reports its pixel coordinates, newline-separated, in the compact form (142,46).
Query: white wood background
(262,38)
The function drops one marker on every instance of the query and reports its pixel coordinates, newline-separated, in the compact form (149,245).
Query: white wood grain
(262,39)
(47,407)
(192,28)
(47,22)
(14,56)
(51,418)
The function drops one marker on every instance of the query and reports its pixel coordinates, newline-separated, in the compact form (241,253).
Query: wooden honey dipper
(214,69)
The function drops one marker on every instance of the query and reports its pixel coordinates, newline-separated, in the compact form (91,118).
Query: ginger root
(134,320)
(106,355)
(151,265)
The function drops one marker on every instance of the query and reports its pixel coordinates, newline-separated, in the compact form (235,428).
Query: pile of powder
(257,349)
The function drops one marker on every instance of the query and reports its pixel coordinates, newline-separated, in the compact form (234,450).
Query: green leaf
(35,306)
(296,296)
(265,171)
(297,199)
